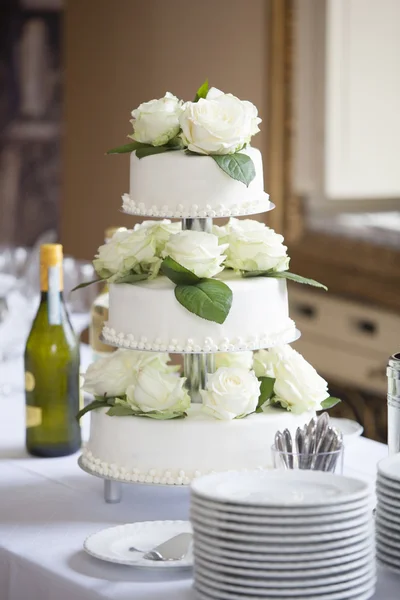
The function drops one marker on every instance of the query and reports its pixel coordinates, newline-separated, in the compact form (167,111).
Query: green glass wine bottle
(52,367)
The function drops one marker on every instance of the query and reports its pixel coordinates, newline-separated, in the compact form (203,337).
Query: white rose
(161,231)
(127,251)
(223,232)
(112,375)
(241,360)
(197,251)
(298,387)
(157,391)
(231,393)
(257,248)
(219,124)
(156,122)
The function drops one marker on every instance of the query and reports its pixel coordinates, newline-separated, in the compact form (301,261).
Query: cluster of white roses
(146,383)
(252,246)
(234,389)
(142,381)
(217,124)
(243,245)
(134,251)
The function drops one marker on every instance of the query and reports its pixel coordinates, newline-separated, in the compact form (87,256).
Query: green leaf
(150,150)
(266,391)
(131,147)
(120,411)
(285,275)
(85,284)
(202,91)
(132,278)
(210,299)
(92,406)
(177,273)
(163,416)
(238,166)
(329,402)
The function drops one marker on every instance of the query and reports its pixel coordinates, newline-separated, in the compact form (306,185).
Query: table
(49,506)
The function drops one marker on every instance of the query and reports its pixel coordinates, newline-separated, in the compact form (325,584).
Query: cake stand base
(113,487)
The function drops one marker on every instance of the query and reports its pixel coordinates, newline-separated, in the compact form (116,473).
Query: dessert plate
(290,572)
(280,488)
(389,483)
(220,514)
(361,593)
(318,547)
(270,582)
(387,492)
(279,560)
(280,539)
(113,544)
(384,506)
(356,583)
(390,467)
(393,519)
(223,526)
(389,532)
(350,429)
(293,511)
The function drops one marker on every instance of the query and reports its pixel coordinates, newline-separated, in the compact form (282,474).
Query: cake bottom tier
(139,449)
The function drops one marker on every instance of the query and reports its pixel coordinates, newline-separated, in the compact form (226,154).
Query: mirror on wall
(346,98)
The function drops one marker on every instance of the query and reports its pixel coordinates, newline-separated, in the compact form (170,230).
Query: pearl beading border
(156,476)
(130,207)
(122,340)
(150,476)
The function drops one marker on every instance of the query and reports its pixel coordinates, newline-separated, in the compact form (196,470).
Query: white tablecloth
(49,506)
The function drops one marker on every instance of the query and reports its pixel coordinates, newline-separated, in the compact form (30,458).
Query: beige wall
(120,53)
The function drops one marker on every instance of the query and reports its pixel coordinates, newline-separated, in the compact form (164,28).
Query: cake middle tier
(147,316)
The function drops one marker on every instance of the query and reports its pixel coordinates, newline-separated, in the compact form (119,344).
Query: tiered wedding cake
(212,293)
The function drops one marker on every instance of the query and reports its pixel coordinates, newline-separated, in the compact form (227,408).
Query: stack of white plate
(275,535)
(388,512)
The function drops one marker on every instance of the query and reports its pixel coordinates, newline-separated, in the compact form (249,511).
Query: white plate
(384,506)
(269,582)
(388,557)
(273,556)
(394,520)
(279,538)
(364,580)
(384,490)
(390,483)
(113,544)
(350,429)
(290,572)
(383,541)
(390,467)
(281,488)
(311,519)
(281,511)
(386,520)
(319,547)
(383,529)
(203,592)
(222,525)
(388,564)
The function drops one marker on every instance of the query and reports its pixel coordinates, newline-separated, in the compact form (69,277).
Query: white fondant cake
(174,452)
(174,184)
(147,316)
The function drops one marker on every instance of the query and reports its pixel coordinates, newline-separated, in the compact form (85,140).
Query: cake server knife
(173,549)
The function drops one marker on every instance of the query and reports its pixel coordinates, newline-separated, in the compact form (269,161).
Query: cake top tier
(193,159)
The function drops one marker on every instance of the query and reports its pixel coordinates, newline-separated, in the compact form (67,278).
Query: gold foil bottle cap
(109,232)
(51,255)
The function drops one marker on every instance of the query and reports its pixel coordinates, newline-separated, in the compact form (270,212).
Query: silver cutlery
(314,444)
(175,548)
